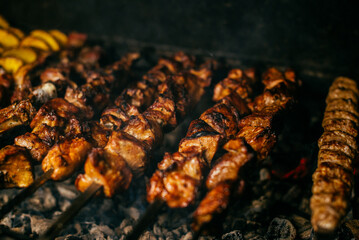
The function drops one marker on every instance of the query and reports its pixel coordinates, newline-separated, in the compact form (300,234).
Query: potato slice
(50,40)
(8,39)
(59,36)
(11,64)
(17,32)
(25,54)
(3,23)
(34,42)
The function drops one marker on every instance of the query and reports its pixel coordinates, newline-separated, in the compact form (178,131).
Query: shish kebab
(128,149)
(53,75)
(333,179)
(56,122)
(181,172)
(73,128)
(256,137)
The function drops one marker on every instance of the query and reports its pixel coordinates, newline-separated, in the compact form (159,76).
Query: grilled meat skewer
(127,152)
(57,120)
(257,135)
(179,174)
(128,149)
(185,170)
(333,178)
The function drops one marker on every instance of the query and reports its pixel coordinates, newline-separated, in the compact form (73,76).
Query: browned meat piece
(214,203)
(333,178)
(114,117)
(107,169)
(237,81)
(344,125)
(279,90)
(261,139)
(145,131)
(201,139)
(133,151)
(177,188)
(66,157)
(16,114)
(15,167)
(222,118)
(36,147)
(99,135)
(53,112)
(163,110)
(226,169)
(142,94)
(340,115)
(90,98)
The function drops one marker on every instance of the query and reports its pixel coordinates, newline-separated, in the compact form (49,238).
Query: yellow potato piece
(17,32)
(8,39)
(34,42)
(11,64)
(50,40)
(25,54)
(59,36)
(3,22)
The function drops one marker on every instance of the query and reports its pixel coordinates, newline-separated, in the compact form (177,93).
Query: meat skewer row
(333,178)
(179,174)
(127,152)
(54,81)
(49,125)
(98,138)
(257,136)
(215,125)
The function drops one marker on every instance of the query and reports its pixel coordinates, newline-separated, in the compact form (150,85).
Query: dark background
(318,38)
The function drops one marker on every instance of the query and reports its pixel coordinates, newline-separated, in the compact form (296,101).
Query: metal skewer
(75,207)
(26,193)
(147,218)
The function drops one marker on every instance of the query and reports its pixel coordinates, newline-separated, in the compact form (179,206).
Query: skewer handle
(26,193)
(66,216)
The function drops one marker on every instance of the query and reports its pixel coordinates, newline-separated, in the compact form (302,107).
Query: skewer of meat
(128,150)
(54,77)
(333,178)
(57,121)
(180,173)
(257,136)
(50,127)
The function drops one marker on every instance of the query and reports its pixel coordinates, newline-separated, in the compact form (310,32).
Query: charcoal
(234,235)
(281,228)
(188,236)
(264,174)
(42,200)
(67,191)
(303,227)
(21,223)
(349,230)
(39,225)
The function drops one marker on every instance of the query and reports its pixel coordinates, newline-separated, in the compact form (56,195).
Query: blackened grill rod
(75,207)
